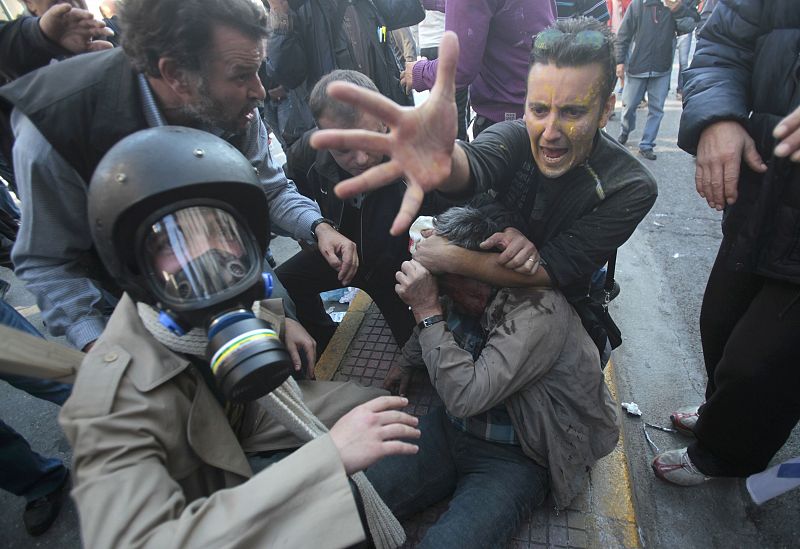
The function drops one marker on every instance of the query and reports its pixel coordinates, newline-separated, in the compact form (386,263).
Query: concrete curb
(612,518)
(329,362)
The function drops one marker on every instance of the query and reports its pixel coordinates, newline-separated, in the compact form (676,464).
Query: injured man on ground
(526,408)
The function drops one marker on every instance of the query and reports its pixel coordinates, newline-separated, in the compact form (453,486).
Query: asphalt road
(662,270)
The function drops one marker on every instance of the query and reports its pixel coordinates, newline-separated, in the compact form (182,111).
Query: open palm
(420,142)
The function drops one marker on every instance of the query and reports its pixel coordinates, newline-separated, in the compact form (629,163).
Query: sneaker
(685,419)
(648,154)
(675,467)
(40,513)
(623,138)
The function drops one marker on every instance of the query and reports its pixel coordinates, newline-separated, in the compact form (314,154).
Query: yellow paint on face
(563,112)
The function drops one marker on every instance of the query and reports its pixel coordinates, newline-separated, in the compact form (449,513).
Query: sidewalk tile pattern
(369,357)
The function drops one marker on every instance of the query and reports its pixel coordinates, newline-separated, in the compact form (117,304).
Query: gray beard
(205,112)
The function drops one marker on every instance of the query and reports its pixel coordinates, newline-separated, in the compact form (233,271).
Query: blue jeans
(656,88)
(11,318)
(24,472)
(684,49)
(494,486)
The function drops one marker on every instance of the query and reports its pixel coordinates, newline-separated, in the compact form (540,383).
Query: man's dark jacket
(651,27)
(315,45)
(746,68)
(24,47)
(82,105)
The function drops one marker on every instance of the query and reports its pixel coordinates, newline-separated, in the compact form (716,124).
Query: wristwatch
(430,321)
(319,222)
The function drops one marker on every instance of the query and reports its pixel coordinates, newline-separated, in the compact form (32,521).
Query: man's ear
(178,79)
(608,108)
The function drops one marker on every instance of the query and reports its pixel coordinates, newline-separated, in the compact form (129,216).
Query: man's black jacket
(308,51)
(24,47)
(746,68)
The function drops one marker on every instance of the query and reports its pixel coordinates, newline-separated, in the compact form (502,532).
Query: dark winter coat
(746,68)
(649,29)
(309,49)
(24,47)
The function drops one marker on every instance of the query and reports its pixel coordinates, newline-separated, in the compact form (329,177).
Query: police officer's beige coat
(157,464)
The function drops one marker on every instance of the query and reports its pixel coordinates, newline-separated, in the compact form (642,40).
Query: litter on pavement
(632,408)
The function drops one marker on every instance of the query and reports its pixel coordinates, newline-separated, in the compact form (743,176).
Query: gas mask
(204,270)
(180,221)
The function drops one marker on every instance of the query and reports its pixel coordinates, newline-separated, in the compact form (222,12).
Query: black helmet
(155,172)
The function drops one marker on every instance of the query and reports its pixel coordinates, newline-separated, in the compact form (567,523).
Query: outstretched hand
(74,29)
(371,431)
(420,142)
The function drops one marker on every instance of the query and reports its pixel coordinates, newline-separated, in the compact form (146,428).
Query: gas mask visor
(198,256)
(204,267)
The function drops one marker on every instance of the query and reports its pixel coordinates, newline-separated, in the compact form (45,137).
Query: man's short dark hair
(323,105)
(467,226)
(181,29)
(570,50)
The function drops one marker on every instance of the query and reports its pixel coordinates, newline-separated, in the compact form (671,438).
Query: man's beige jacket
(157,464)
(540,362)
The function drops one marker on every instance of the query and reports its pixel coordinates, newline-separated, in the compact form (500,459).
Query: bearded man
(188,63)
